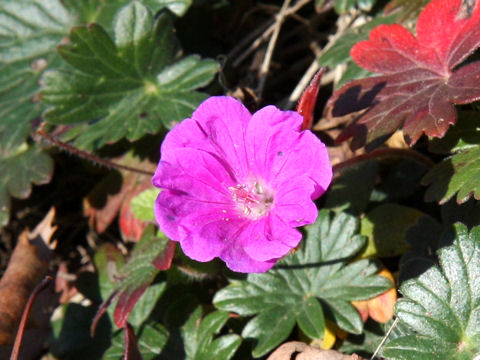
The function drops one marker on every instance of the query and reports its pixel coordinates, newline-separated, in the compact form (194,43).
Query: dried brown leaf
(302,351)
(26,268)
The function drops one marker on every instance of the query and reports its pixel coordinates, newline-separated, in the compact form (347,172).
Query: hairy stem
(89,156)
(385,153)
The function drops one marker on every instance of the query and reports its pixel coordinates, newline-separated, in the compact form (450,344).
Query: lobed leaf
(457,174)
(441,306)
(316,282)
(339,51)
(18,170)
(127,86)
(29,32)
(198,338)
(421,77)
(103,12)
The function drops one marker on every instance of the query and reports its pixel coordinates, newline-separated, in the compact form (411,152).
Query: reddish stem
(85,155)
(385,152)
(21,328)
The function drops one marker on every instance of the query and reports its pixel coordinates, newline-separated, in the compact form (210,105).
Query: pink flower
(236,185)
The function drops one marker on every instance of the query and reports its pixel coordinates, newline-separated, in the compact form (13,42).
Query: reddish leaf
(153,253)
(114,194)
(126,302)
(102,310)
(131,227)
(164,260)
(131,344)
(421,79)
(306,105)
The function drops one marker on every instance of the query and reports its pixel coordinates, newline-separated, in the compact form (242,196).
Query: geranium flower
(236,185)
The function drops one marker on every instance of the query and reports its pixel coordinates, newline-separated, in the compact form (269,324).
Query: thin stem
(21,328)
(271,46)
(89,156)
(302,85)
(385,152)
(269,28)
(384,339)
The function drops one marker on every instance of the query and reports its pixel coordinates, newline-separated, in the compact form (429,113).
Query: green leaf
(423,240)
(457,174)
(198,334)
(146,303)
(127,87)
(108,261)
(18,170)
(102,12)
(343,6)
(142,205)
(151,340)
(465,134)
(407,9)
(318,273)
(29,33)
(442,305)
(360,177)
(386,226)
(134,278)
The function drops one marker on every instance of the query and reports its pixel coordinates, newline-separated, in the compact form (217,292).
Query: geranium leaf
(362,177)
(386,226)
(103,12)
(421,78)
(150,342)
(142,205)
(198,335)
(441,306)
(137,275)
(339,52)
(457,174)
(128,86)
(29,32)
(406,9)
(463,135)
(318,273)
(134,279)
(19,168)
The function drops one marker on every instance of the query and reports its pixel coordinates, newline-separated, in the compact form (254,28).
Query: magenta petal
(269,238)
(294,204)
(197,173)
(270,133)
(236,186)
(237,260)
(308,158)
(217,126)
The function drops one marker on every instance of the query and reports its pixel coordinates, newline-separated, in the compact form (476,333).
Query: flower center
(254,200)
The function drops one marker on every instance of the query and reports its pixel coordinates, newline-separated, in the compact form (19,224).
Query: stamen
(253,200)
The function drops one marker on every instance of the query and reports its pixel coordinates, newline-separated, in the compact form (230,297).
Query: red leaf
(164,261)
(131,344)
(420,81)
(306,104)
(114,194)
(130,227)
(126,302)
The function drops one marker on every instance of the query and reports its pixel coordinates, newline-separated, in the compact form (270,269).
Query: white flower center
(253,200)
